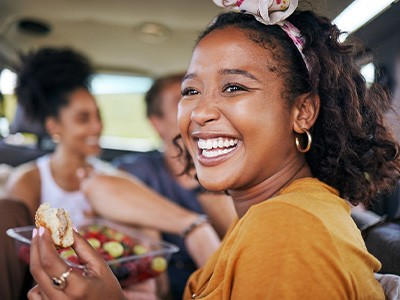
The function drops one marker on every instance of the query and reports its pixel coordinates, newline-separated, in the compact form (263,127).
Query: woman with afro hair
(53,91)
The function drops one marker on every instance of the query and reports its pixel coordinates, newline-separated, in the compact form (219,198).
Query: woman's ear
(51,126)
(305,111)
(157,124)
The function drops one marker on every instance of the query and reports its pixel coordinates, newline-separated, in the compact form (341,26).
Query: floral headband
(271,12)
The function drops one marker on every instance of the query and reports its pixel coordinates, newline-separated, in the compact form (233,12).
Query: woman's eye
(82,120)
(231,88)
(189,92)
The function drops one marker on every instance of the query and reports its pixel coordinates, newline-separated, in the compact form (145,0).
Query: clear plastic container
(131,255)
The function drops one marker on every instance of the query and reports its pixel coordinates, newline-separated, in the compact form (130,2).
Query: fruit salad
(131,256)
(117,248)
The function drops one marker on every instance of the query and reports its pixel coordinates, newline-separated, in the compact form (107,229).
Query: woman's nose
(205,111)
(97,125)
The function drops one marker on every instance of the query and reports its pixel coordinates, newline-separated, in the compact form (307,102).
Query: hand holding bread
(58,221)
(96,282)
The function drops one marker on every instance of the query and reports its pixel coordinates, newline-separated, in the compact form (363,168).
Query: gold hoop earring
(55,137)
(309,141)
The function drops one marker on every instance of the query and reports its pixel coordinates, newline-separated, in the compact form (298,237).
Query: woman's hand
(96,282)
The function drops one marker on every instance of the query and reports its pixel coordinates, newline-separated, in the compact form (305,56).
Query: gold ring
(61,282)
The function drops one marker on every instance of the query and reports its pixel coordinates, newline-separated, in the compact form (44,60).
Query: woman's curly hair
(352,149)
(46,78)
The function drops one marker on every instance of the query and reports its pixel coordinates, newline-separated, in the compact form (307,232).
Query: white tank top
(74,202)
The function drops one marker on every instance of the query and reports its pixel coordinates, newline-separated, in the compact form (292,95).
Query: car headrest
(23,124)
(382,239)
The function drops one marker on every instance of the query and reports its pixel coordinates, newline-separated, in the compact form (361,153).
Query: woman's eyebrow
(188,76)
(225,72)
(237,72)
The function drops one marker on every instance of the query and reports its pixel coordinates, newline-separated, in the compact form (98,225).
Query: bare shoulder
(24,185)
(27,173)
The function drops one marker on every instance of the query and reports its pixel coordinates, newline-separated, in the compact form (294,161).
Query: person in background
(162,171)
(304,138)
(134,203)
(53,90)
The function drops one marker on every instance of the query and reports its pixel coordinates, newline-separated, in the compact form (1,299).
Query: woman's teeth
(216,146)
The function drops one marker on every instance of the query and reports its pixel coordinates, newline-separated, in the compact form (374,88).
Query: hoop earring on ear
(55,137)
(309,141)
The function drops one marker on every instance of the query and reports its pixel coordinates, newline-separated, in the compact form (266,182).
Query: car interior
(133,42)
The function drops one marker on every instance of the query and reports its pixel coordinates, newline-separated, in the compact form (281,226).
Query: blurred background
(131,42)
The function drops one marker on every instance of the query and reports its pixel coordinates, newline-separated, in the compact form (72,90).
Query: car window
(121,101)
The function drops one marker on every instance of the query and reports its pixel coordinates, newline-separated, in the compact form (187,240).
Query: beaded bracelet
(196,223)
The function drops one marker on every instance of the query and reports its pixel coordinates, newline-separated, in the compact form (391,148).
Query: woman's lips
(92,141)
(215,150)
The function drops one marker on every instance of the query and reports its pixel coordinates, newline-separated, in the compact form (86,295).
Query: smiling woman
(119,97)
(53,89)
(274,112)
(257,101)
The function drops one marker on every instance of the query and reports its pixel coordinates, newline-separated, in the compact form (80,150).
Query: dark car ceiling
(382,35)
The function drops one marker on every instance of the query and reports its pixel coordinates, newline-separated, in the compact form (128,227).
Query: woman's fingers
(39,269)
(100,280)
(58,281)
(84,172)
(88,256)
(36,294)
(95,266)
(55,278)
(86,184)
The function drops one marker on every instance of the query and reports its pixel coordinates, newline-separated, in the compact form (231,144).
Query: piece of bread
(58,221)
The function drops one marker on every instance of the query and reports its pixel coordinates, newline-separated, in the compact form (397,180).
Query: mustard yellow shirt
(300,244)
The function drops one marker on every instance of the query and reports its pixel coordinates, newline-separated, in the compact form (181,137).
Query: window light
(118,84)
(359,12)
(368,71)
(7,81)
